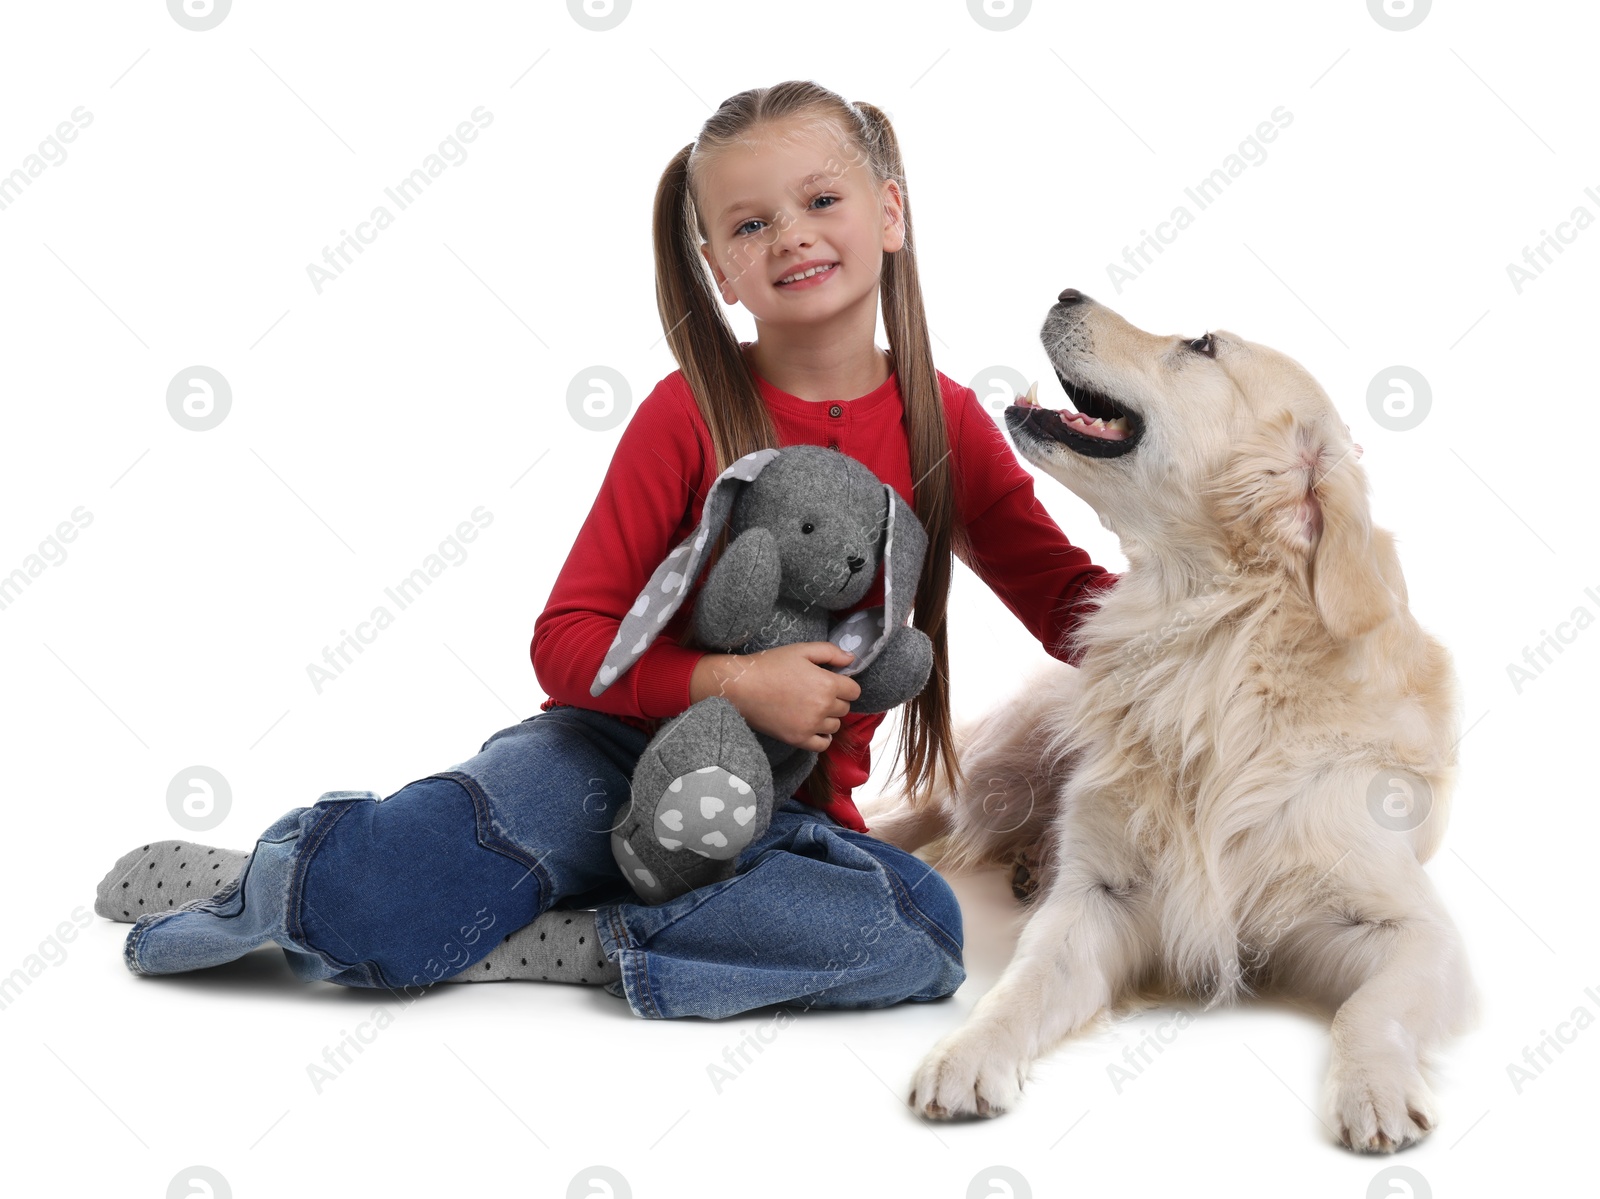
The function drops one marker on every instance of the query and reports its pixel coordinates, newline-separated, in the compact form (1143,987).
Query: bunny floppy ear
(901,552)
(663,594)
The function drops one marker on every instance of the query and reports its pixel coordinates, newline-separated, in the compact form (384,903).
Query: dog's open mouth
(1096,426)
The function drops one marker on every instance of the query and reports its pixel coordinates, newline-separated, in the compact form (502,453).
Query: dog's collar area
(1096,426)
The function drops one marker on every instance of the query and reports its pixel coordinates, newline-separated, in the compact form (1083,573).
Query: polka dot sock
(559,947)
(165,875)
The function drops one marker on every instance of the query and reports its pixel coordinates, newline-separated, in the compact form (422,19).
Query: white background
(432,376)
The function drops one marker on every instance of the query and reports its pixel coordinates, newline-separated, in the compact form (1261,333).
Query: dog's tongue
(1116,430)
(1094,428)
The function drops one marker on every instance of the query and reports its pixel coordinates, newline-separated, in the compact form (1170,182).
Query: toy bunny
(808,529)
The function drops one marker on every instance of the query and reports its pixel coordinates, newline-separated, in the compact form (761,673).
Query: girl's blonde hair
(730,401)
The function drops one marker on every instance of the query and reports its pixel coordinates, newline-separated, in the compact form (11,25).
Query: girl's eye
(807,527)
(740,231)
(1204,345)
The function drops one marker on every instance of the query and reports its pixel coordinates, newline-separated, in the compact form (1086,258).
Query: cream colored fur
(1220,788)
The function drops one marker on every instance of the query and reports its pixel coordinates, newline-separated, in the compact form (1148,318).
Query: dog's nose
(855,564)
(1071,296)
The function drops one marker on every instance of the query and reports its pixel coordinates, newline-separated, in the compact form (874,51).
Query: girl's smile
(808,275)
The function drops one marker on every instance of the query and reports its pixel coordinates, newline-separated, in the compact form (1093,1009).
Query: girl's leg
(418,887)
(818,915)
(408,890)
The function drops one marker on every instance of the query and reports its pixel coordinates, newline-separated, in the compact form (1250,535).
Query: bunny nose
(855,564)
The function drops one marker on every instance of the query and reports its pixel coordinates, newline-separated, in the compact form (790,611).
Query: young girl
(501,867)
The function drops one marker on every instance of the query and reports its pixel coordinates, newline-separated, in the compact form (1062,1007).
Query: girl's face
(789,196)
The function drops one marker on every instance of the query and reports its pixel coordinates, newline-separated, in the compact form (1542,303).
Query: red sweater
(651,499)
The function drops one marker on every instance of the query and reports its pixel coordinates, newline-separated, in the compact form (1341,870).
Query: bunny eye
(808,527)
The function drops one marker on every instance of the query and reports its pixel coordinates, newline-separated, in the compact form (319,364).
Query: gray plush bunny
(809,527)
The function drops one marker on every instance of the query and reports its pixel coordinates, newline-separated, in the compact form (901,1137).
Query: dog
(1235,791)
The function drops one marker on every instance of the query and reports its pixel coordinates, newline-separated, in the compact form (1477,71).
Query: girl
(501,867)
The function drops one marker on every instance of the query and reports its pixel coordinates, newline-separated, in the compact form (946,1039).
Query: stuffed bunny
(808,529)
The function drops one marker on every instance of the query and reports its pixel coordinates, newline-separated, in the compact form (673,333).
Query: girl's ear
(894,218)
(716,273)
(669,583)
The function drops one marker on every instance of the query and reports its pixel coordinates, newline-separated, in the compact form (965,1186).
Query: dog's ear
(1347,583)
(1295,489)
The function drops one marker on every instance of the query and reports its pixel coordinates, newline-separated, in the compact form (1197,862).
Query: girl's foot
(559,947)
(164,875)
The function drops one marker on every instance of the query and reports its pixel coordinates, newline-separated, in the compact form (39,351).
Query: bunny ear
(663,594)
(904,544)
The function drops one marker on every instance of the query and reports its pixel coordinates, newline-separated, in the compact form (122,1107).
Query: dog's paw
(969,1073)
(1380,1109)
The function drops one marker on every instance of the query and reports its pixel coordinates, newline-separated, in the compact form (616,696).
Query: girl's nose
(792,234)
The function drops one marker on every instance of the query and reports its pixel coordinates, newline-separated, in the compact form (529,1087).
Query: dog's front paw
(1379,1108)
(969,1073)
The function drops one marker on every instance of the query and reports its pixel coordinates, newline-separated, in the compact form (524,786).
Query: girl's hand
(786,692)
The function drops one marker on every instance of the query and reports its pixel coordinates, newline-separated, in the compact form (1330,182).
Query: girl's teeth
(816,270)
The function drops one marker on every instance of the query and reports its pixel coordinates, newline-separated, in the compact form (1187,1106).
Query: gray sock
(165,875)
(559,947)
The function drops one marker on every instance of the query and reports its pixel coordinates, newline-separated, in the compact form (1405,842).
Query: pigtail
(925,744)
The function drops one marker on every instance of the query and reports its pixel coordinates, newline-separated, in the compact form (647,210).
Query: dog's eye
(807,527)
(1204,345)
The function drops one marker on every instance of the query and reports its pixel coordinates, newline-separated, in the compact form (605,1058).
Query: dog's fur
(1215,789)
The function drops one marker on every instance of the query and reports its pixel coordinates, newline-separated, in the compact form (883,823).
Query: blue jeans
(401,892)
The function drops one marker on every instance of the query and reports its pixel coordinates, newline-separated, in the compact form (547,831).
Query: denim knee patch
(409,885)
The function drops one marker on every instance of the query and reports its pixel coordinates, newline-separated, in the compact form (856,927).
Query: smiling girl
(792,203)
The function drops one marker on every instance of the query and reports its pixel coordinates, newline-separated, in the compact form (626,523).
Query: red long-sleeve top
(651,499)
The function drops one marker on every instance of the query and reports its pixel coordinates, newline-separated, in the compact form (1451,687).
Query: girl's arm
(1048,583)
(642,511)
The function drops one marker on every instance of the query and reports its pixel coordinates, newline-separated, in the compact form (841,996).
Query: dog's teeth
(1099,424)
(1120,424)
(1033,394)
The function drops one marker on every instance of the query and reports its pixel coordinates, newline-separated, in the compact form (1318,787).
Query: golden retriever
(1236,790)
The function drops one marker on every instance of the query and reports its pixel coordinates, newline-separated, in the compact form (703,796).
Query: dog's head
(1205,450)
